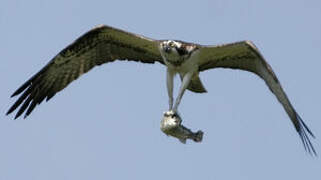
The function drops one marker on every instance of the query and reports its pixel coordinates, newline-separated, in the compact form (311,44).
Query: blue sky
(106,124)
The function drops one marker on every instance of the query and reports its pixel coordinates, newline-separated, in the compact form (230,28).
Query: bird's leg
(186,80)
(170,86)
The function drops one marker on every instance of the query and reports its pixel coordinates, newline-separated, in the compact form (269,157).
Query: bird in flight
(105,44)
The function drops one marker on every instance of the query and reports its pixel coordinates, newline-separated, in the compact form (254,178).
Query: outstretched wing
(245,56)
(100,45)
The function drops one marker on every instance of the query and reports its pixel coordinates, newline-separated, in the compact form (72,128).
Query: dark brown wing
(245,56)
(100,45)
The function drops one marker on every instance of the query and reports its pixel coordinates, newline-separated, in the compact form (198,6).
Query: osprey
(105,44)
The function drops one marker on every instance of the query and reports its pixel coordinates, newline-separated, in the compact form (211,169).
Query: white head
(176,52)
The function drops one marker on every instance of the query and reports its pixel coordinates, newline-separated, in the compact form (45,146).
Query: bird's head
(175,52)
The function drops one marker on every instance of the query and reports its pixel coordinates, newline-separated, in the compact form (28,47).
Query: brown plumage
(100,45)
(245,56)
(105,44)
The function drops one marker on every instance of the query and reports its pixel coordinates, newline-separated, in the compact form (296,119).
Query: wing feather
(98,46)
(245,56)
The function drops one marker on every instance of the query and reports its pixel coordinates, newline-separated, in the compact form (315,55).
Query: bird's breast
(186,65)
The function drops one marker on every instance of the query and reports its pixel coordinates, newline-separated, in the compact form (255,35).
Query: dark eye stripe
(181,51)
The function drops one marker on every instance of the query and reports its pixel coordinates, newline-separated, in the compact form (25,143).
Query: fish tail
(198,136)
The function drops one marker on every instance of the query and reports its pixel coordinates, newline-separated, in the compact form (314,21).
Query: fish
(171,125)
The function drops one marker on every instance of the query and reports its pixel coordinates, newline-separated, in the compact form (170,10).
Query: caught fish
(171,125)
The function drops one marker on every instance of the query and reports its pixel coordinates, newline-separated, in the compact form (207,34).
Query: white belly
(190,64)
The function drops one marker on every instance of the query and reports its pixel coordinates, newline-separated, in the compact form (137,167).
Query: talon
(174,110)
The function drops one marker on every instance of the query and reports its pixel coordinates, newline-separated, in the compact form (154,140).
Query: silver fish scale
(171,125)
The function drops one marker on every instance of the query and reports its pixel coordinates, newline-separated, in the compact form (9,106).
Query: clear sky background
(105,125)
